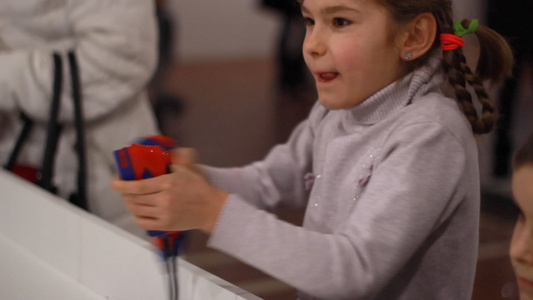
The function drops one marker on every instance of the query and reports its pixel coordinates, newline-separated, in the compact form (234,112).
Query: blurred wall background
(470,9)
(208,30)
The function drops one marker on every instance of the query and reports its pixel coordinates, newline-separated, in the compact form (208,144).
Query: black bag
(43,177)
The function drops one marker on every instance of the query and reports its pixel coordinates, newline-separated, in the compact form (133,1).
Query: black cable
(170,285)
(175,272)
(168,263)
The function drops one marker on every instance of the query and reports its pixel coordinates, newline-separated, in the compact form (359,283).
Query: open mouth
(327,76)
(525,282)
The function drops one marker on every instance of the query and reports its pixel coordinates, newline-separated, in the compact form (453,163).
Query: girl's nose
(521,249)
(313,44)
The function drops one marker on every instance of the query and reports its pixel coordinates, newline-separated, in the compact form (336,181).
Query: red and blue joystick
(146,158)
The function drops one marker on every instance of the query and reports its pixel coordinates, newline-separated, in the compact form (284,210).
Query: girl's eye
(340,22)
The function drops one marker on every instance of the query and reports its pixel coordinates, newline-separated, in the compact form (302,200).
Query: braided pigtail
(495,63)
(495,57)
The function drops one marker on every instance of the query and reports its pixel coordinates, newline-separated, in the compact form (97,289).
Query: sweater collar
(398,94)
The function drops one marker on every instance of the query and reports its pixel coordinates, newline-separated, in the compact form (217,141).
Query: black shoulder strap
(79,199)
(46,173)
(44,178)
(23,136)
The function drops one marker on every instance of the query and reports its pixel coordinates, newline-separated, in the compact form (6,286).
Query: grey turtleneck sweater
(393,205)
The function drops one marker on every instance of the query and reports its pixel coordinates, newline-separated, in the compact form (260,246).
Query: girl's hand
(180,200)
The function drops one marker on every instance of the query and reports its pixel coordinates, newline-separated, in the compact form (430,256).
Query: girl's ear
(419,36)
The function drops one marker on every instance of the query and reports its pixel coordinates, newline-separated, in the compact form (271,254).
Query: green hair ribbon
(459,30)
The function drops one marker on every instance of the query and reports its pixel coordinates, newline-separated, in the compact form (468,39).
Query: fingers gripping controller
(145,158)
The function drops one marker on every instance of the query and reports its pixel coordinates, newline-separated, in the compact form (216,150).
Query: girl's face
(521,250)
(349,50)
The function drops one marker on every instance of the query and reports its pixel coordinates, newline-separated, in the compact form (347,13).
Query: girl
(386,164)
(521,251)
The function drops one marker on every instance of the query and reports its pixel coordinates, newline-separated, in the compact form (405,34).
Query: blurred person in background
(291,69)
(521,251)
(511,18)
(161,99)
(115,42)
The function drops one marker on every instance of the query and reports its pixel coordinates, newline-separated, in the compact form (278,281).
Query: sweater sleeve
(279,178)
(115,42)
(411,192)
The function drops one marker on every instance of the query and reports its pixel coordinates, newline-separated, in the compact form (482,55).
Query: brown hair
(495,57)
(524,154)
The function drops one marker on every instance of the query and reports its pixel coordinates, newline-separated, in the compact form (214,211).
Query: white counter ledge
(50,249)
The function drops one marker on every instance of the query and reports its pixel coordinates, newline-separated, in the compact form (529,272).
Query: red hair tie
(449,41)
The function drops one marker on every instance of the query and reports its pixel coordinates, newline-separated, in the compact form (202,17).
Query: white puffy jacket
(116,46)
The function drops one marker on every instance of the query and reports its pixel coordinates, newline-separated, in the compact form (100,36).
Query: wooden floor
(233,114)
